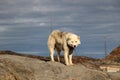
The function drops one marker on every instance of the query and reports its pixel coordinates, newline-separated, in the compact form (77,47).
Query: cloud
(25,23)
(34,52)
(3,29)
(43,24)
(94,53)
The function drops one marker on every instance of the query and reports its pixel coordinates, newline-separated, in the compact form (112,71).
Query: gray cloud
(26,24)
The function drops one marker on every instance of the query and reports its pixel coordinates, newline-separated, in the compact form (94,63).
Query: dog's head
(73,40)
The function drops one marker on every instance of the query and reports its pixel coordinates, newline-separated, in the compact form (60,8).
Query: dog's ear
(79,37)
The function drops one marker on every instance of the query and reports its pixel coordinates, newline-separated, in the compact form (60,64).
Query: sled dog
(65,41)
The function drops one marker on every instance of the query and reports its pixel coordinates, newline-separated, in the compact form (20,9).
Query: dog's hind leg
(52,54)
(51,47)
(58,55)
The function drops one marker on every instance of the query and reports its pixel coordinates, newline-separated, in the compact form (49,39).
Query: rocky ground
(14,66)
(114,56)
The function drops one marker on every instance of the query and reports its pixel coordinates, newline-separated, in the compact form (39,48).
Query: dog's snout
(74,46)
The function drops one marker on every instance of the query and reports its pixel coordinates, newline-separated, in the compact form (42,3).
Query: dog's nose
(74,46)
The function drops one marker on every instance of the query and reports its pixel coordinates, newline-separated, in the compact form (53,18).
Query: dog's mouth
(72,46)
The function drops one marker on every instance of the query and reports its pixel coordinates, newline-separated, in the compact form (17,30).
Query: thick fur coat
(65,41)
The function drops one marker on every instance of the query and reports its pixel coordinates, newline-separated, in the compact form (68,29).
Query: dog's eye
(75,41)
(72,41)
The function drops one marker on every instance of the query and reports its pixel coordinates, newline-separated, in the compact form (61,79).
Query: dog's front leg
(70,56)
(70,59)
(66,57)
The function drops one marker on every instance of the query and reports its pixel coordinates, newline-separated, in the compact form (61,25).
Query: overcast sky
(26,24)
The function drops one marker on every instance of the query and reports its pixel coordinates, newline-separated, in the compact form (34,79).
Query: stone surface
(13,67)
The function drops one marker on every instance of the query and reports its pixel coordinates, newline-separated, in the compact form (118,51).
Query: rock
(115,76)
(114,56)
(14,67)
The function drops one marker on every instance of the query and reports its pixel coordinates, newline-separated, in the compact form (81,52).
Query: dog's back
(55,37)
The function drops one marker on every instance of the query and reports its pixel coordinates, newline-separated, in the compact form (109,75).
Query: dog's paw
(69,64)
(52,61)
(72,64)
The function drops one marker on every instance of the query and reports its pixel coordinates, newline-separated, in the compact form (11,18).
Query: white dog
(63,41)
